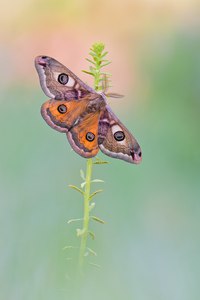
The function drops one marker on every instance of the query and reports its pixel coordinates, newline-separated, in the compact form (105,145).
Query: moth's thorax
(96,103)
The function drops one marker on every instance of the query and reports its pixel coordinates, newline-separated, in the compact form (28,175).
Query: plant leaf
(104,54)
(91,234)
(69,247)
(74,187)
(73,220)
(82,174)
(80,232)
(97,180)
(93,194)
(107,74)
(100,162)
(93,54)
(105,64)
(86,253)
(87,72)
(91,206)
(92,251)
(97,219)
(92,62)
(95,265)
(83,184)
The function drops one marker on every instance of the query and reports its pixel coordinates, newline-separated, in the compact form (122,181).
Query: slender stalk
(86,215)
(98,55)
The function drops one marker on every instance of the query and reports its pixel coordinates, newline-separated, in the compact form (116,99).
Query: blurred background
(149,247)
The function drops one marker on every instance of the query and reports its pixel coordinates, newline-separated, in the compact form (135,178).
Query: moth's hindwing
(115,139)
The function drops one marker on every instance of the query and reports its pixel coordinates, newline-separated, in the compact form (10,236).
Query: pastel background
(149,248)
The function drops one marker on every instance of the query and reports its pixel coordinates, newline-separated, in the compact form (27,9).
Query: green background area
(149,247)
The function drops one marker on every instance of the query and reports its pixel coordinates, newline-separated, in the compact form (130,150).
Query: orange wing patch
(62,114)
(84,136)
(71,117)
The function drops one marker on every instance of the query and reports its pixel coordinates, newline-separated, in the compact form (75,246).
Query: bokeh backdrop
(149,247)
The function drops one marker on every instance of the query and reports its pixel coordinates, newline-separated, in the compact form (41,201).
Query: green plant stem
(97,80)
(86,213)
(98,56)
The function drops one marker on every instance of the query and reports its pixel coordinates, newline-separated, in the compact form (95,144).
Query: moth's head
(42,60)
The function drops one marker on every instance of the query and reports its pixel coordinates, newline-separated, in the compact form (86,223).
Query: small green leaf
(73,220)
(105,64)
(95,193)
(92,53)
(82,174)
(69,247)
(101,162)
(92,251)
(98,47)
(107,74)
(91,206)
(95,265)
(104,54)
(90,61)
(87,72)
(97,219)
(97,180)
(76,189)
(91,234)
(83,184)
(80,232)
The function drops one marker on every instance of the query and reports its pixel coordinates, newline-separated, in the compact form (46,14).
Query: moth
(83,114)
